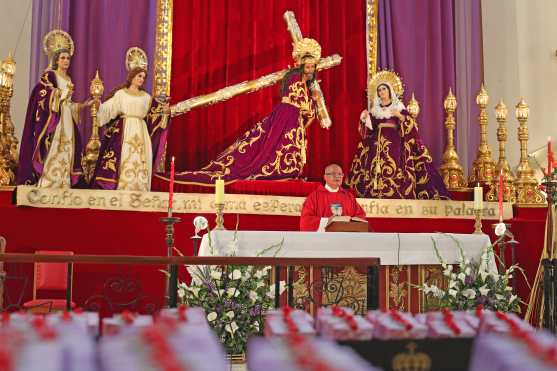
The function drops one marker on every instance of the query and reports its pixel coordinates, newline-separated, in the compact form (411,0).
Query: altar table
(406,258)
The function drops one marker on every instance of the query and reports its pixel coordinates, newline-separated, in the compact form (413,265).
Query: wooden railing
(372,265)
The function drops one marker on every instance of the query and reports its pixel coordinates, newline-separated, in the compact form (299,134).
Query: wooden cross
(262,82)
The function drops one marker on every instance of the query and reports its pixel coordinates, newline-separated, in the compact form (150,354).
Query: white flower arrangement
(474,284)
(235,297)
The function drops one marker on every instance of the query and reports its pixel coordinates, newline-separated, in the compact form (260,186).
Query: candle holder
(219,217)
(478,221)
(172,278)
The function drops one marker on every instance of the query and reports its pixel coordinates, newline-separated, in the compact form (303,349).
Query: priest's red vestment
(318,205)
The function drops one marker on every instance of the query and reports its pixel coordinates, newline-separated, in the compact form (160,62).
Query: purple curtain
(469,76)
(416,39)
(423,41)
(102,31)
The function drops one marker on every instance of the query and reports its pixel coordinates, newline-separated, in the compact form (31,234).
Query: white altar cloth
(391,248)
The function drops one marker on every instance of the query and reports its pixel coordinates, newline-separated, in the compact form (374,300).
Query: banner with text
(202,203)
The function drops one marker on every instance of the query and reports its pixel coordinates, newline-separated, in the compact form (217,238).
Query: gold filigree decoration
(372,39)
(397,289)
(163,48)
(347,288)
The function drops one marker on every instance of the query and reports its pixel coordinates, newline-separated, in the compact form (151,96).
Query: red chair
(52,277)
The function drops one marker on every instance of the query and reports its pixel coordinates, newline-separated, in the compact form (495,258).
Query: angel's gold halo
(136,57)
(57,40)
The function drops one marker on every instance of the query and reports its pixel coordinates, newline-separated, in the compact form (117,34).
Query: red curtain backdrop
(217,43)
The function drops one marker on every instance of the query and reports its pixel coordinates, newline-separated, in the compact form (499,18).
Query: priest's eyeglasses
(335,174)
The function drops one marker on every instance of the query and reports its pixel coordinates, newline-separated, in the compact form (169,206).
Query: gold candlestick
(451,170)
(484,166)
(509,191)
(527,192)
(8,142)
(89,161)
(478,221)
(219,218)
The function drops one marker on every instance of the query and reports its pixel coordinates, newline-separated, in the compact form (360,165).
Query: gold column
(483,168)
(527,192)
(451,170)
(509,193)
(8,142)
(163,57)
(89,161)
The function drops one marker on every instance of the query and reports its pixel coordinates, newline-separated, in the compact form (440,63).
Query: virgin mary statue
(391,160)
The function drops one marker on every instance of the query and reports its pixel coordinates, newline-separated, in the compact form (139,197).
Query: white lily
(230,314)
(231,327)
(253,296)
(232,292)
(212,316)
(260,273)
(256,325)
(453,292)
(513,298)
(216,275)
(235,275)
(461,276)
(452,284)
(469,293)
(181,292)
(484,290)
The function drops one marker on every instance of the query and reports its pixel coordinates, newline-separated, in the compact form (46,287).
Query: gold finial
(522,110)
(482,98)
(450,101)
(413,107)
(501,111)
(451,169)
(96,88)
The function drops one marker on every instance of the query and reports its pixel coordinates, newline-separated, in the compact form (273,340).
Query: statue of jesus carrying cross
(275,147)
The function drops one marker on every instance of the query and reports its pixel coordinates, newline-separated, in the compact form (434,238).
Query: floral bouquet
(234,297)
(475,283)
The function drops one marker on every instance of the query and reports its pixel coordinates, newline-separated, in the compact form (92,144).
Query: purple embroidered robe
(392,162)
(45,112)
(275,148)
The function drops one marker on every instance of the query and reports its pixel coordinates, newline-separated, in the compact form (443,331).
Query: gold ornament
(413,107)
(385,77)
(136,57)
(306,50)
(451,169)
(57,40)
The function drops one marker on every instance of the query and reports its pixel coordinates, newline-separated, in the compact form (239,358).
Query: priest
(322,202)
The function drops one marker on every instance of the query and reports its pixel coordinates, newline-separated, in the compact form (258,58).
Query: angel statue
(50,153)
(135,131)
(391,161)
(275,147)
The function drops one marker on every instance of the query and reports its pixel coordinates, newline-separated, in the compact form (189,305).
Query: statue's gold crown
(57,40)
(411,361)
(136,57)
(306,50)
(385,77)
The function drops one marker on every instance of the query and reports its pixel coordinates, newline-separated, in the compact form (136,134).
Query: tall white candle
(478,197)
